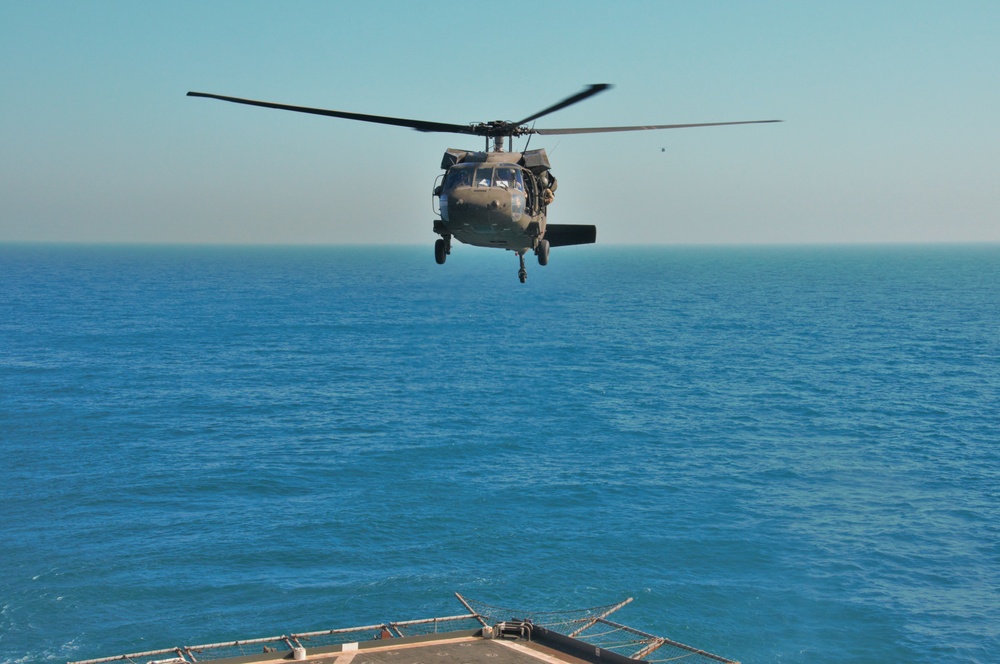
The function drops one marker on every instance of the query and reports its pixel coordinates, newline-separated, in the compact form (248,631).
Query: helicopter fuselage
(493,200)
(486,203)
(500,199)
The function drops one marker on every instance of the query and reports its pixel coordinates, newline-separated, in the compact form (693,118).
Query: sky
(890,110)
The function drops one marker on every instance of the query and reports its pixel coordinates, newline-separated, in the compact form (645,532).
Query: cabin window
(484,176)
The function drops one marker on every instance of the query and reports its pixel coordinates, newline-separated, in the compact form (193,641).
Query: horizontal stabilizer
(561,235)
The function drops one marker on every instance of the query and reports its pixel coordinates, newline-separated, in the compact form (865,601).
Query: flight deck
(485,635)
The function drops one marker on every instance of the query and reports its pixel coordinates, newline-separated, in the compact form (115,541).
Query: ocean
(784,454)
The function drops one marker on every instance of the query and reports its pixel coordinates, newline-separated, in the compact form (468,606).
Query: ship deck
(449,650)
(485,635)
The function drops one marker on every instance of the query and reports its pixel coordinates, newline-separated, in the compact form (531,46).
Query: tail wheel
(440,251)
(542,251)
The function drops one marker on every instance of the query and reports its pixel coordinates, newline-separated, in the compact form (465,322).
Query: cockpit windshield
(504,176)
(484,176)
(508,178)
(458,177)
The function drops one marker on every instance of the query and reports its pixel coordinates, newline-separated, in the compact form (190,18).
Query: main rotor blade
(569,101)
(598,130)
(420,125)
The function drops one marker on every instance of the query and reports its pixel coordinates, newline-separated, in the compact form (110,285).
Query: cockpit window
(484,176)
(504,178)
(458,177)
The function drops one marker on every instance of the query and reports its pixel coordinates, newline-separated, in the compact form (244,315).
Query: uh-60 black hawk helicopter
(495,198)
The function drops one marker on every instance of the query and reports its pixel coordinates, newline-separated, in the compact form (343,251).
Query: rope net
(592,626)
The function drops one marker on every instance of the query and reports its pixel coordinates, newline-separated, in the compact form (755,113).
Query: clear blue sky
(891,109)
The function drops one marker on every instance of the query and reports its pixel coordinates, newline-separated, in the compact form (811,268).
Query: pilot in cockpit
(460,177)
(504,178)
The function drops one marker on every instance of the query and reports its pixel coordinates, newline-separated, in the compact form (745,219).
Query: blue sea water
(784,454)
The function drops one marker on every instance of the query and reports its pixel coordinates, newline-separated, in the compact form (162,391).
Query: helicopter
(495,198)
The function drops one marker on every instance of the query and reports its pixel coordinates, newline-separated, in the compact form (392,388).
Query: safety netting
(593,627)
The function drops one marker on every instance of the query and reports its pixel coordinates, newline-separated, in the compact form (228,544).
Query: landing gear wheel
(522,274)
(440,251)
(542,251)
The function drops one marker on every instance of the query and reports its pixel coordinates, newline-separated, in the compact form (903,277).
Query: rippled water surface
(782,454)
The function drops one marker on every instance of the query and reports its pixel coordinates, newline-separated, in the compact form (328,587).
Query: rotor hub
(498,128)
